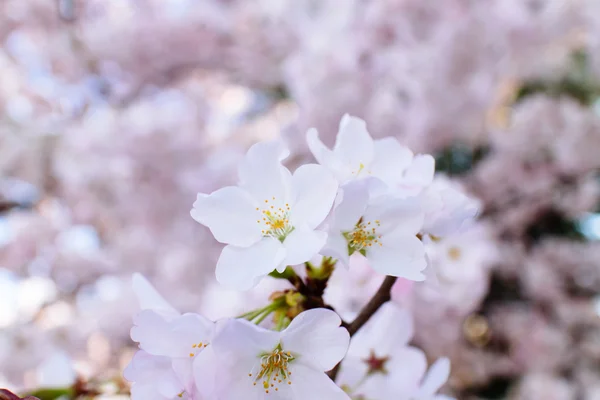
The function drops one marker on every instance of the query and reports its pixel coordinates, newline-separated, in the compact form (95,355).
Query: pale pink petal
(301,245)
(173,338)
(398,255)
(317,339)
(314,385)
(354,145)
(262,174)
(149,298)
(395,214)
(242,268)
(313,192)
(390,327)
(230,214)
(436,377)
(354,199)
(390,161)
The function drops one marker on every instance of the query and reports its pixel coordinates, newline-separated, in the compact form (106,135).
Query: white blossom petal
(406,368)
(205,370)
(354,200)
(436,377)
(418,175)
(337,248)
(152,373)
(310,384)
(354,145)
(313,192)
(390,327)
(230,214)
(322,154)
(149,298)
(301,245)
(242,268)
(390,161)
(262,175)
(238,347)
(395,214)
(399,255)
(173,338)
(316,336)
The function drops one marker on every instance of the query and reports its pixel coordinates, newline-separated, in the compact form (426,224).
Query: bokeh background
(114,113)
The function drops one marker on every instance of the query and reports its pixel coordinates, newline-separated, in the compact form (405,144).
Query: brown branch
(379,298)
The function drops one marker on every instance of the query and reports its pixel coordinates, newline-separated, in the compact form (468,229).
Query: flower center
(376,364)
(275,220)
(197,348)
(361,168)
(274,369)
(363,235)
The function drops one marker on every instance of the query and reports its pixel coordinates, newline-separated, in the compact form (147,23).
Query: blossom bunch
(365,199)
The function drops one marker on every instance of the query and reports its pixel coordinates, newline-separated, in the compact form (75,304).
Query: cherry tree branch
(379,298)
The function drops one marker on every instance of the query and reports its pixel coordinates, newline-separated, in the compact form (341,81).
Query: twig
(379,298)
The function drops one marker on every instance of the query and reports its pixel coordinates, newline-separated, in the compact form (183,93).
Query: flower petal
(313,192)
(230,214)
(354,200)
(238,347)
(337,247)
(418,175)
(314,385)
(173,338)
(149,298)
(407,366)
(316,336)
(152,373)
(436,377)
(390,327)
(399,255)
(354,145)
(302,244)
(390,161)
(322,154)
(395,214)
(262,174)
(242,268)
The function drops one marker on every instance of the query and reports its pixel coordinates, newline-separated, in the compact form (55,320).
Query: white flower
(381,366)
(447,209)
(269,221)
(153,377)
(172,347)
(262,364)
(356,155)
(383,229)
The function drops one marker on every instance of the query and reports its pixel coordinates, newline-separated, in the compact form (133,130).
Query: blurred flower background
(113,114)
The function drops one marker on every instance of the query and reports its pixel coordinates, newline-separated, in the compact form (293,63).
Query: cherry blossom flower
(383,229)
(380,365)
(356,155)
(269,221)
(447,209)
(261,364)
(153,377)
(172,346)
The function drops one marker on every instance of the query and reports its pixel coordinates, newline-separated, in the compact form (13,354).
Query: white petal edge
(230,214)
(318,339)
(242,268)
(313,192)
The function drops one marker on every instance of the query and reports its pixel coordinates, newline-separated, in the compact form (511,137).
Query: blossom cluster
(370,197)
(366,198)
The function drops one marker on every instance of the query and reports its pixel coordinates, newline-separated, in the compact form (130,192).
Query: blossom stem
(379,298)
